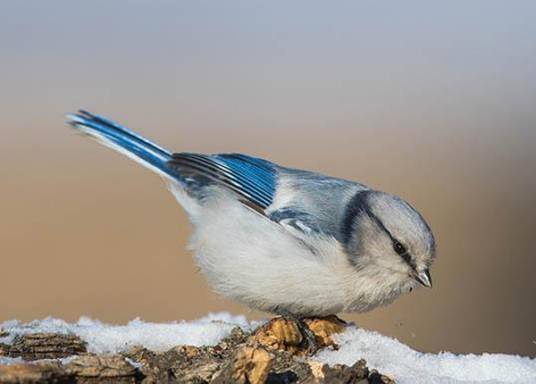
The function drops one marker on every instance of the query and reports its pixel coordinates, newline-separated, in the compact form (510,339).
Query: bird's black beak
(424,278)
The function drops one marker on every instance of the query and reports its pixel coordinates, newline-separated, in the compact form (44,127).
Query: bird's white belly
(249,258)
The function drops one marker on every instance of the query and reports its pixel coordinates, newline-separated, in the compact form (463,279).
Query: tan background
(433,102)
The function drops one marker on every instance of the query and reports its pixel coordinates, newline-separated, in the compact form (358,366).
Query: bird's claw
(308,337)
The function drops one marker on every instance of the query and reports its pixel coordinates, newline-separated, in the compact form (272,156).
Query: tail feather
(124,141)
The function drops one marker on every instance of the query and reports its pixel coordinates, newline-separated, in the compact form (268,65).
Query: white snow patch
(406,365)
(10,360)
(105,338)
(4,360)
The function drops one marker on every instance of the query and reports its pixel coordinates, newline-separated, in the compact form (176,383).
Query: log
(274,353)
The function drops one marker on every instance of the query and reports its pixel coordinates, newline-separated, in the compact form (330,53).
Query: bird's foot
(311,344)
(309,341)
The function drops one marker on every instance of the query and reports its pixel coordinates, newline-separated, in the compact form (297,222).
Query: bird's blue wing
(253,179)
(315,198)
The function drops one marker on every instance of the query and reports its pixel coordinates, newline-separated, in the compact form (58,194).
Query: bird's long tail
(123,141)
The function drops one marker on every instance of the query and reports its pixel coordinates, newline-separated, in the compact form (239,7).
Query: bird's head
(385,231)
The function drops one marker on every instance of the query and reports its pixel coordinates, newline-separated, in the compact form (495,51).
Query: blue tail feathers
(123,140)
(252,179)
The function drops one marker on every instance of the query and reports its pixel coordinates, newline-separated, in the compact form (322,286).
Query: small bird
(284,240)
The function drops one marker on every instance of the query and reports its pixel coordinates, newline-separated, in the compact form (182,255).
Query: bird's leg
(309,337)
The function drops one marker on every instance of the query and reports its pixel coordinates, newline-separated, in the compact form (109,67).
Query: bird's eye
(399,248)
(403,252)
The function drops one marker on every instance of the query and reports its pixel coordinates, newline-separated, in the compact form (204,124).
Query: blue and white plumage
(285,240)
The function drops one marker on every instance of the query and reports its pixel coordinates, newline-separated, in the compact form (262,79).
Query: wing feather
(251,178)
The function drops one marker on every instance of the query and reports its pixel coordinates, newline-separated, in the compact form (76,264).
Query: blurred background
(432,101)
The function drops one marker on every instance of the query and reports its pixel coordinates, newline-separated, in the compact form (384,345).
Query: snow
(104,338)
(405,365)
(10,360)
(385,354)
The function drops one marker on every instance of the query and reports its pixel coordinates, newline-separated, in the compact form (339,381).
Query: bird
(285,240)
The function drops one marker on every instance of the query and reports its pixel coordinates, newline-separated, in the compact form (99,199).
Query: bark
(275,353)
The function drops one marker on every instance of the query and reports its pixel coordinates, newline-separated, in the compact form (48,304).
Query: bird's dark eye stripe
(402,251)
(407,258)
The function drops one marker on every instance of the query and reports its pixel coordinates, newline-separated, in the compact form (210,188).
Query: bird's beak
(424,278)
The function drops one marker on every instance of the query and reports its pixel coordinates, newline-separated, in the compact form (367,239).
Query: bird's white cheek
(409,284)
(393,264)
